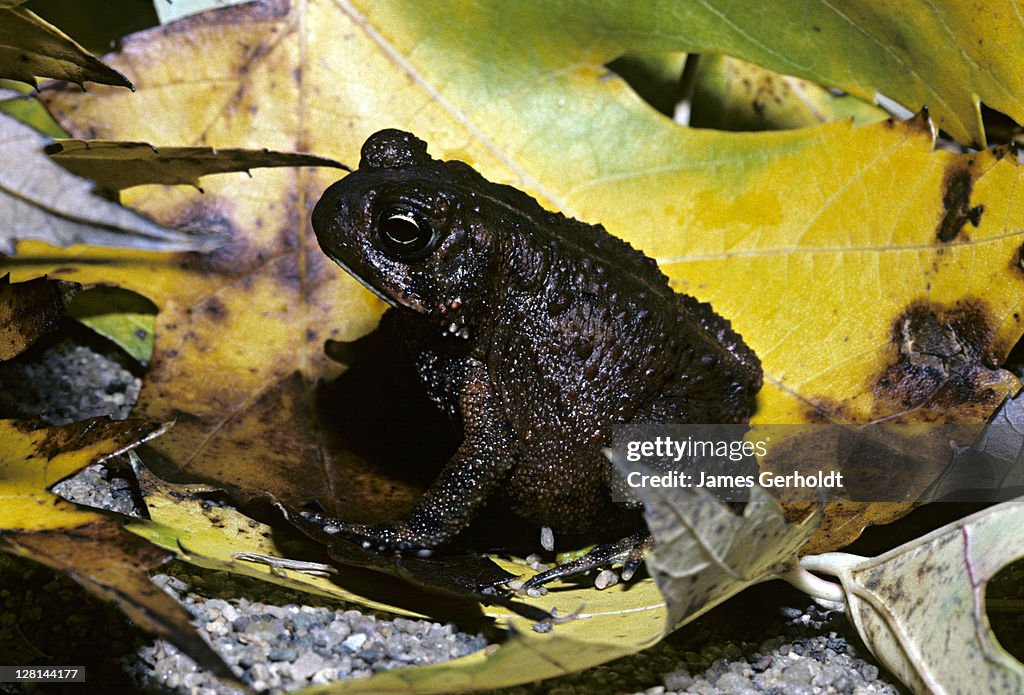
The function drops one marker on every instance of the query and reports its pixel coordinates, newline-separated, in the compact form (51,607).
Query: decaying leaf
(118,165)
(921,607)
(844,521)
(90,546)
(887,468)
(40,200)
(896,319)
(31,47)
(30,309)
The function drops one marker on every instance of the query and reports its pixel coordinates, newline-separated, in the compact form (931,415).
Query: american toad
(536,332)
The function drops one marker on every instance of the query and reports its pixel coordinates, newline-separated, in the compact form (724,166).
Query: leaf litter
(975,224)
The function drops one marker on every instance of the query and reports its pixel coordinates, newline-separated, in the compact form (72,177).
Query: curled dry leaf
(89,546)
(30,309)
(990,466)
(704,552)
(118,165)
(41,200)
(921,607)
(31,47)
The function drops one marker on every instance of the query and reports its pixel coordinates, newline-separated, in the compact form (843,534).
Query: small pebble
(547,539)
(606,578)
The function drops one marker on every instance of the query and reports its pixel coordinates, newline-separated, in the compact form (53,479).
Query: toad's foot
(629,552)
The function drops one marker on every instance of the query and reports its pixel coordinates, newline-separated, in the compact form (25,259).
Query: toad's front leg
(473,473)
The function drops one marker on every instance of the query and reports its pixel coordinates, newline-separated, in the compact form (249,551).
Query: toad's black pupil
(405,232)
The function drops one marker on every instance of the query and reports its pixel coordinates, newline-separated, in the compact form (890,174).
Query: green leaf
(17,100)
(132,332)
(125,318)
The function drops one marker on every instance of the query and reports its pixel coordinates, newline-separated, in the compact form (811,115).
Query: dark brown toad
(536,332)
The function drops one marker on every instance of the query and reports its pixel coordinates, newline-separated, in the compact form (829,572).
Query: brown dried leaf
(113,564)
(117,165)
(31,47)
(30,309)
(844,521)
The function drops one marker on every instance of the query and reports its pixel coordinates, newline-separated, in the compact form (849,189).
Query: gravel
(281,640)
(65,383)
(285,645)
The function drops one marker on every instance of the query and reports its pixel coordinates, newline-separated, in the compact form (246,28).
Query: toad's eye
(406,235)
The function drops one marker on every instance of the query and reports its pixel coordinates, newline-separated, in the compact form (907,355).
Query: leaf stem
(830,563)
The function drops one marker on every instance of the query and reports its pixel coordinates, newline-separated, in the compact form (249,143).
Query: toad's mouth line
(377,291)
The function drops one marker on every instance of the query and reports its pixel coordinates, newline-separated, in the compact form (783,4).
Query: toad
(536,332)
